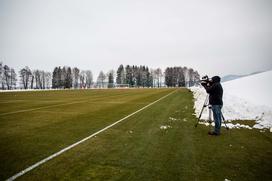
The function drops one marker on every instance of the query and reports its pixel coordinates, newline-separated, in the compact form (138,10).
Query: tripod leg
(199,116)
(223,118)
(204,105)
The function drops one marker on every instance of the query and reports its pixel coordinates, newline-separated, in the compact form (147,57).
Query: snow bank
(256,89)
(247,98)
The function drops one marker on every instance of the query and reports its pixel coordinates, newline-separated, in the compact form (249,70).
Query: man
(215,92)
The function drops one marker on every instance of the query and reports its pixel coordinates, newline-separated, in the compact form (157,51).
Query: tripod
(206,104)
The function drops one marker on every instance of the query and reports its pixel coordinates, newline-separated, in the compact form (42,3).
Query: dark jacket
(215,91)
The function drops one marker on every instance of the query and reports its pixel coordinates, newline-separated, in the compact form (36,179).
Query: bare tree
(47,80)
(25,74)
(13,78)
(101,78)
(158,77)
(191,76)
(7,76)
(32,81)
(186,76)
(152,73)
(89,78)
(37,75)
(75,74)
(196,78)
(43,79)
(82,78)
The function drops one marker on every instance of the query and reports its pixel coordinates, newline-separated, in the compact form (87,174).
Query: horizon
(95,76)
(212,37)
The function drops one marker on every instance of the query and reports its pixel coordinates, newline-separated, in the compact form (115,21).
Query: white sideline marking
(81,141)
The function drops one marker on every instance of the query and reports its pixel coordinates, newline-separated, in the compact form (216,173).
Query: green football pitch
(158,142)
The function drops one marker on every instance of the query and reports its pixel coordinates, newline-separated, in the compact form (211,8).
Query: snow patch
(173,119)
(238,126)
(164,127)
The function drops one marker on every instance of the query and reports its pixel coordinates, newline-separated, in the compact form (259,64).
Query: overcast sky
(212,36)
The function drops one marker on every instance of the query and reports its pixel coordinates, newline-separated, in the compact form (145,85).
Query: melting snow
(172,119)
(165,127)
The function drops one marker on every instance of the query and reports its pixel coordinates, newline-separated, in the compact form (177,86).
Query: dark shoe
(213,133)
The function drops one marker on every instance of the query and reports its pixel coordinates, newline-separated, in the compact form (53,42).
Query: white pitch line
(81,141)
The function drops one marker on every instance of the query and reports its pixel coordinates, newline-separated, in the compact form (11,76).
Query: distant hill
(254,88)
(233,77)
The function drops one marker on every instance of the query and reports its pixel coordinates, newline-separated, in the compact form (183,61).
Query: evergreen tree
(55,78)
(181,78)
(129,75)
(68,81)
(59,78)
(63,77)
(120,75)
(110,81)
(134,76)
(143,73)
(167,77)
(138,76)
(2,75)
(149,79)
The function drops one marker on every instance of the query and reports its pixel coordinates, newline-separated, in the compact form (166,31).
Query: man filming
(215,91)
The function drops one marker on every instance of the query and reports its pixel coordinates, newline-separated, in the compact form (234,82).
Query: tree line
(67,77)
(134,76)
(181,77)
(142,76)
(125,76)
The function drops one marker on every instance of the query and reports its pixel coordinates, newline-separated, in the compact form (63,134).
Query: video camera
(206,81)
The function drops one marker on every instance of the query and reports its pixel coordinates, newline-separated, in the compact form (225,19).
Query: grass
(135,149)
